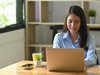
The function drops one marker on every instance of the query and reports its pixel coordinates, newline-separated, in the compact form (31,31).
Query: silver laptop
(65,59)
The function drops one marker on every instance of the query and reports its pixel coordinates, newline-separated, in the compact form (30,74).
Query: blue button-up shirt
(63,40)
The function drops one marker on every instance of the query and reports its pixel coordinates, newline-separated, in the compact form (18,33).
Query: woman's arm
(91,57)
(57,41)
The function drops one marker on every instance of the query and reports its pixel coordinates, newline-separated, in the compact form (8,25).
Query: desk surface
(16,69)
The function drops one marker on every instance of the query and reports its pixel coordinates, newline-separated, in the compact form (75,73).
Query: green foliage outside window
(6,12)
(3,19)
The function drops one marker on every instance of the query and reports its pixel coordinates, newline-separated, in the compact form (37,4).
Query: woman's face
(73,23)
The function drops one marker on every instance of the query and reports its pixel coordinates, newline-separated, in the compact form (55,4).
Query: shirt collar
(66,35)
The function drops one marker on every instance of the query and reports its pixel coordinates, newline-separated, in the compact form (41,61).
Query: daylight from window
(7,12)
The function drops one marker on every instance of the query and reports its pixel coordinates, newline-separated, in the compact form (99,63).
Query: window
(11,13)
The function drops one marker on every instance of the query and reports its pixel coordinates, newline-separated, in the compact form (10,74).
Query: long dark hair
(83,31)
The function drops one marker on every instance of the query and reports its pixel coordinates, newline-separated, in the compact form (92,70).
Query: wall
(97,37)
(11,47)
(57,10)
(43,34)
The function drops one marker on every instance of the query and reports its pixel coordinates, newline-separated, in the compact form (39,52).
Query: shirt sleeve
(91,57)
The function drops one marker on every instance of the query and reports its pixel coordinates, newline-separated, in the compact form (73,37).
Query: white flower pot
(37,63)
(92,20)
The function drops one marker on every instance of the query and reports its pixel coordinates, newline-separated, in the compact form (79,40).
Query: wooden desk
(16,69)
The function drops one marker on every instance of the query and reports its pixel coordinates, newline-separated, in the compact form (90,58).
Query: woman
(75,35)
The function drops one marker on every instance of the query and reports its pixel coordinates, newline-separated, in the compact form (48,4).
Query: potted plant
(37,59)
(92,15)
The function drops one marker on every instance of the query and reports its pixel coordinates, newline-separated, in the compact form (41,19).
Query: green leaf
(92,12)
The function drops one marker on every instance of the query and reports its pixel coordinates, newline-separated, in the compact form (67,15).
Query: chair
(55,29)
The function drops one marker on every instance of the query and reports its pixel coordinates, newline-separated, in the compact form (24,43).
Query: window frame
(19,18)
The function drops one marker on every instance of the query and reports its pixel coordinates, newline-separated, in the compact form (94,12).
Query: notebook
(65,59)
